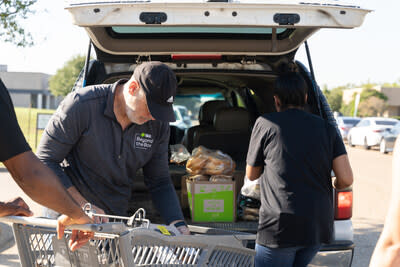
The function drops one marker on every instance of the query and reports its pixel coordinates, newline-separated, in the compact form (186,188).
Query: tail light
(195,57)
(377,130)
(343,128)
(344,205)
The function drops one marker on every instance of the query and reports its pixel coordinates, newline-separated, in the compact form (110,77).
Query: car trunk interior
(252,91)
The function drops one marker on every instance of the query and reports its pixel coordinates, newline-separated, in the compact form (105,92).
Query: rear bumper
(338,254)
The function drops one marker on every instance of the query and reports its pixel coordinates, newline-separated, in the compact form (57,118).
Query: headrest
(208,110)
(232,119)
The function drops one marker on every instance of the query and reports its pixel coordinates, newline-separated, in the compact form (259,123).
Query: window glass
(351,121)
(177,117)
(382,122)
(193,104)
(179,29)
(361,123)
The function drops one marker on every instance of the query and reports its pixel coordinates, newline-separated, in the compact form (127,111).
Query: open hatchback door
(196,27)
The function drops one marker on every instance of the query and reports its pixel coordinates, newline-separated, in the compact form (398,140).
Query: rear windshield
(183,29)
(196,32)
(385,123)
(350,121)
(194,102)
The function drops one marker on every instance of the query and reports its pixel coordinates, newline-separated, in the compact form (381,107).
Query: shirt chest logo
(143,141)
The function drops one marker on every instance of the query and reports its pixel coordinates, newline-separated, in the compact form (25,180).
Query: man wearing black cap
(103,134)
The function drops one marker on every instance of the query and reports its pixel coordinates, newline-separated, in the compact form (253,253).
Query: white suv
(230,49)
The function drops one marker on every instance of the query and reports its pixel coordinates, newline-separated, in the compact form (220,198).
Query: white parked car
(345,124)
(231,48)
(369,131)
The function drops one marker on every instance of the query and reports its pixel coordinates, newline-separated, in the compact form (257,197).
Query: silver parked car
(345,124)
(389,138)
(369,131)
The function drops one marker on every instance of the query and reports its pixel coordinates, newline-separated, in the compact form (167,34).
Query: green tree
(334,97)
(368,85)
(372,103)
(62,82)
(368,92)
(372,106)
(394,84)
(348,110)
(11,12)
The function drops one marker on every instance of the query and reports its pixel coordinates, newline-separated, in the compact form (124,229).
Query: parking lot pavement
(8,190)
(366,234)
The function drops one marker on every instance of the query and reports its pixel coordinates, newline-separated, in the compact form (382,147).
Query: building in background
(392,93)
(29,89)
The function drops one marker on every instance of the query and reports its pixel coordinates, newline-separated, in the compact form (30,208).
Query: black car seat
(230,134)
(206,117)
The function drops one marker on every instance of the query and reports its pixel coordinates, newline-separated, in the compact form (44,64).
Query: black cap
(159,83)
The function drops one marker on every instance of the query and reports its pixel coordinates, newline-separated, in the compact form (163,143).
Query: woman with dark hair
(292,152)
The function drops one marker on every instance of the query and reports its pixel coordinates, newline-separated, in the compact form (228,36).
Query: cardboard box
(212,201)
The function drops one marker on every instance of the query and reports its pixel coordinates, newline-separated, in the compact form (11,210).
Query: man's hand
(98,219)
(15,207)
(184,230)
(181,226)
(78,238)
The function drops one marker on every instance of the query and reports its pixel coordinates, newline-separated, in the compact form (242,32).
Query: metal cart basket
(130,242)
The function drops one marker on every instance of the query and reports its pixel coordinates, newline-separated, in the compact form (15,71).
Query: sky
(366,54)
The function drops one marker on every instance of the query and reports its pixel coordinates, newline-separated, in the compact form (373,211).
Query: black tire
(382,146)
(349,141)
(366,146)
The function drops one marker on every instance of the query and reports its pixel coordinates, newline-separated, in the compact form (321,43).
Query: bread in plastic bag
(210,162)
(179,154)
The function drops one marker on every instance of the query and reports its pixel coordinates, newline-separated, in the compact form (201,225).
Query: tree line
(372,102)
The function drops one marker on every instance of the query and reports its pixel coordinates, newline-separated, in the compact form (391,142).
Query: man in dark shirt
(105,133)
(293,153)
(37,181)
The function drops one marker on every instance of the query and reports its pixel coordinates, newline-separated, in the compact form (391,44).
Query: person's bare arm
(82,201)
(253,172)
(342,169)
(387,250)
(42,185)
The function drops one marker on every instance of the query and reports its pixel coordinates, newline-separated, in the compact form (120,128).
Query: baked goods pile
(210,162)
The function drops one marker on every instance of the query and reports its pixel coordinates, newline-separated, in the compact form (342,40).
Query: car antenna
(85,74)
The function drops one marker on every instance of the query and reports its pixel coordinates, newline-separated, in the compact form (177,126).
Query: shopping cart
(129,241)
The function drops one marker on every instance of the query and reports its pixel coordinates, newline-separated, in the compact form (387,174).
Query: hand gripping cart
(129,241)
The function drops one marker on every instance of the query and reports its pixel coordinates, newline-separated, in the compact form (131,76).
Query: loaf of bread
(210,162)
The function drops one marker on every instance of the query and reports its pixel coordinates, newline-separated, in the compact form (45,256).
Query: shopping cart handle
(114,227)
(44,222)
